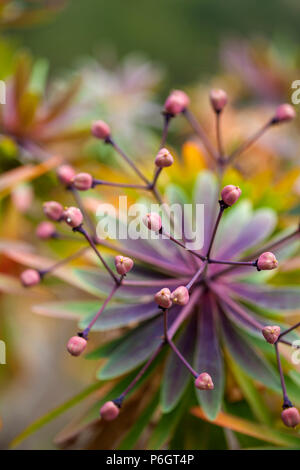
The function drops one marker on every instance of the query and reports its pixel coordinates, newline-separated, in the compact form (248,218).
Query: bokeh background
(170,44)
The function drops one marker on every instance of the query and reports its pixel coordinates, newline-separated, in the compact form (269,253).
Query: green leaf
(166,427)
(251,394)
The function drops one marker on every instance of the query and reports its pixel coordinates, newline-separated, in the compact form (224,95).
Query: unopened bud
(83,181)
(285,112)
(204,382)
(30,277)
(290,417)
(164,158)
(45,230)
(176,102)
(73,216)
(271,333)
(53,210)
(65,174)
(100,129)
(123,264)
(152,221)
(163,298)
(76,345)
(230,194)
(267,261)
(109,411)
(180,296)
(218,99)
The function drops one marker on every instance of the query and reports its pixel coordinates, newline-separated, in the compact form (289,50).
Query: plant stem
(81,230)
(221,211)
(196,275)
(200,132)
(57,265)
(86,216)
(234,263)
(128,160)
(249,142)
(286,400)
(106,301)
(182,245)
(219,135)
(289,330)
(97,182)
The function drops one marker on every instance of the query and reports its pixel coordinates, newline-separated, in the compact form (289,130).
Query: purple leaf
(176,375)
(247,357)
(209,359)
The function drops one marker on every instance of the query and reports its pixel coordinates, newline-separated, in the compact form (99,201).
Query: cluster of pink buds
(77,219)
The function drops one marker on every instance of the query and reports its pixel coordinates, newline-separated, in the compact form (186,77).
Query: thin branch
(200,132)
(66,260)
(128,160)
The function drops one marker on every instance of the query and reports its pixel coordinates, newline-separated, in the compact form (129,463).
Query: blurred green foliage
(183,35)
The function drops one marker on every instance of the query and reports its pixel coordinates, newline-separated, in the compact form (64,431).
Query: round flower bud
(109,411)
(65,174)
(180,296)
(271,333)
(284,112)
(76,345)
(267,261)
(45,230)
(83,181)
(123,264)
(176,102)
(230,194)
(290,417)
(163,158)
(100,129)
(30,277)
(218,99)
(204,382)
(152,221)
(73,216)
(53,210)
(163,298)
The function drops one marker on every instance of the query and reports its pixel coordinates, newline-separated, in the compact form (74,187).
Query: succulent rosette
(189,324)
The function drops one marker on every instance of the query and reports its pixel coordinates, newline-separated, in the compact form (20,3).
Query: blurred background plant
(90,63)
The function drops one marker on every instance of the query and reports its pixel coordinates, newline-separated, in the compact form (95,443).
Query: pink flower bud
(100,129)
(30,277)
(73,216)
(204,382)
(109,411)
(230,194)
(285,112)
(76,345)
(45,230)
(267,261)
(180,296)
(53,210)
(163,298)
(163,158)
(218,99)
(83,181)
(152,221)
(65,174)
(271,333)
(123,264)
(290,417)
(176,102)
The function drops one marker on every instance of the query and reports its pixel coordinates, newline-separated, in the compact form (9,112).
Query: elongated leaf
(247,357)
(165,428)
(280,298)
(176,375)
(260,226)
(252,395)
(114,316)
(258,431)
(209,359)
(136,348)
